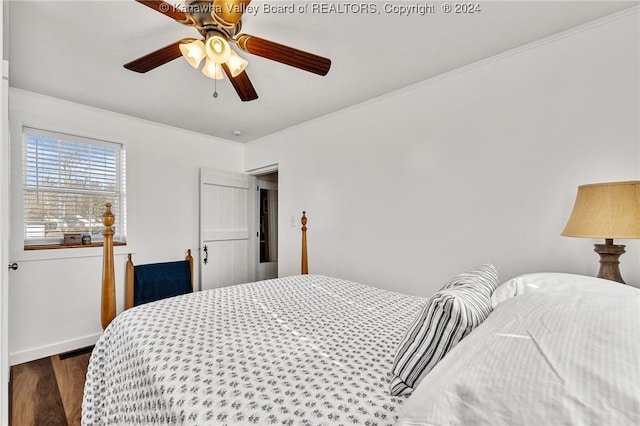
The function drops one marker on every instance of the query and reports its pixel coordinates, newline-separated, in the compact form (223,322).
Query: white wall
(54,297)
(479,165)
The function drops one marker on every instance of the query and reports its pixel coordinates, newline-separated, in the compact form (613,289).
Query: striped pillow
(447,317)
(484,278)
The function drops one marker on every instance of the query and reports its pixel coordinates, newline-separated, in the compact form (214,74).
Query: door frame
(4,241)
(256,173)
(269,185)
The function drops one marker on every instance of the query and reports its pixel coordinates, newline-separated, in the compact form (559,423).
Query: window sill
(62,246)
(59,251)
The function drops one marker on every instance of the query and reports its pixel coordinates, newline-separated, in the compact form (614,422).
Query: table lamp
(606,210)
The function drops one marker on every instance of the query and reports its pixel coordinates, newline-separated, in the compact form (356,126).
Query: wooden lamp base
(609,254)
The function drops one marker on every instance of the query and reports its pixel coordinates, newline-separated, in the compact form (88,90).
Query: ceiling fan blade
(284,54)
(230,11)
(155,59)
(242,84)
(165,8)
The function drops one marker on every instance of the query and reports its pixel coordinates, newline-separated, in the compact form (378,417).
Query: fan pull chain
(215,84)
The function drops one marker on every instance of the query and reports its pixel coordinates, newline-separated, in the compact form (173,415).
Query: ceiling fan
(219,24)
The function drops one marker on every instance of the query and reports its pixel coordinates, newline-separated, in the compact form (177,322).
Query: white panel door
(224,229)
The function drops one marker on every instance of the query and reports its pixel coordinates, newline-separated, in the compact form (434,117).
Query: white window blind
(67,181)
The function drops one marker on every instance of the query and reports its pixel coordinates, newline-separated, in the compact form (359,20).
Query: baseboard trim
(56,348)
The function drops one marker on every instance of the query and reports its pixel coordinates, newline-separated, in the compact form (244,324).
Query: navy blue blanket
(161,280)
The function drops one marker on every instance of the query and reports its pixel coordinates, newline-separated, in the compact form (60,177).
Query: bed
(543,348)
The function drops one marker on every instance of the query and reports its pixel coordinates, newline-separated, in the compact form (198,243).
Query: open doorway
(267,217)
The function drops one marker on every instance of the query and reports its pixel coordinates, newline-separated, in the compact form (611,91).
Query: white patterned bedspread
(302,350)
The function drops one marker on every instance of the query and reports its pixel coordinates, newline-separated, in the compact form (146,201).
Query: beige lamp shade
(606,210)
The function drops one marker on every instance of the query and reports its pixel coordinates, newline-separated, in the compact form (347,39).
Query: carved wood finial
(108,218)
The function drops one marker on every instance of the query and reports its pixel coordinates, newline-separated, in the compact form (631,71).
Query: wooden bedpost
(108,309)
(128,285)
(189,259)
(305,264)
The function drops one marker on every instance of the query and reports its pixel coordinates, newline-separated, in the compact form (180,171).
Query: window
(67,181)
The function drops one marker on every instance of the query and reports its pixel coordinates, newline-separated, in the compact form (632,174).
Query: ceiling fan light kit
(217,51)
(219,23)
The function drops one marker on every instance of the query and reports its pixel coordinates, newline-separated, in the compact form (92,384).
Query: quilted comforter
(302,350)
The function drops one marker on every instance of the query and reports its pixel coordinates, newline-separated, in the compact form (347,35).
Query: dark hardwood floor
(48,391)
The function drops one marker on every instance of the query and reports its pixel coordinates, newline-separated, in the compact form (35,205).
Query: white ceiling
(75,50)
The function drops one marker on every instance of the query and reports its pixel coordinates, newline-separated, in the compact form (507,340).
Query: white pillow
(543,358)
(545,281)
